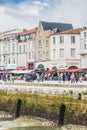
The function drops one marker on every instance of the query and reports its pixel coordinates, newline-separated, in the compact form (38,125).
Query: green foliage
(84,92)
(71,92)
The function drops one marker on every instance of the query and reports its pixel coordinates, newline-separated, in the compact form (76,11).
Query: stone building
(42,43)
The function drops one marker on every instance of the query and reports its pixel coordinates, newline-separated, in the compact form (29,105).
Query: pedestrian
(68,77)
(38,77)
(64,77)
(72,78)
(59,77)
(76,77)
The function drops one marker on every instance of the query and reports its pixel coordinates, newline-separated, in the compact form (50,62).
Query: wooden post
(61,115)
(17,114)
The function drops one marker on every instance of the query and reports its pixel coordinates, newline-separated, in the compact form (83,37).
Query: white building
(8,49)
(17,49)
(26,48)
(84,47)
(65,49)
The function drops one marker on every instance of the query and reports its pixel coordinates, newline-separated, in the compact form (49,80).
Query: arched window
(40,66)
(73,67)
(54,68)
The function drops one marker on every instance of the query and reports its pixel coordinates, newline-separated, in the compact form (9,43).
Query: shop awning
(21,71)
(20,68)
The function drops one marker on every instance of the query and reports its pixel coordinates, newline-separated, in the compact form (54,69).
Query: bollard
(17,114)
(79,96)
(61,115)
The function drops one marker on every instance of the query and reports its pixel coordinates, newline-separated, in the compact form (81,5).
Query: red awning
(20,68)
(61,70)
(72,70)
(51,71)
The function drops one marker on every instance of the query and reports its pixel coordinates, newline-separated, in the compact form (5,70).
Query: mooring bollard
(17,114)
(61,115)
(79,96)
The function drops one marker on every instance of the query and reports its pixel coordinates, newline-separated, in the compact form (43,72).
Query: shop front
(30,65)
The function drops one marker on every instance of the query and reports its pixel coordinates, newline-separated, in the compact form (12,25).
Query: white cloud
(28,13)
(2,9)
(71,11)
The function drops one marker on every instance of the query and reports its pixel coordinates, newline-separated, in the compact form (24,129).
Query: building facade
(26,48)
(84,47)
(8,49)
(17,49)
(42,44)
(65,49)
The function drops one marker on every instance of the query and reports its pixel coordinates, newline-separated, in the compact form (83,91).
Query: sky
(27,13)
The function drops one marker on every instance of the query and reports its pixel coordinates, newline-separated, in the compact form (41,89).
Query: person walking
(59,77)
(64,77)
(72,78)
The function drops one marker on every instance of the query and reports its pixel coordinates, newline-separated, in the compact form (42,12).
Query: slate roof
(53,25)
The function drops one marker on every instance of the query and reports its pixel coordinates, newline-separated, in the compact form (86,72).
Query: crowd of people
(73,77)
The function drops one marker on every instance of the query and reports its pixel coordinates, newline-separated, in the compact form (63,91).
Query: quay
(45,87)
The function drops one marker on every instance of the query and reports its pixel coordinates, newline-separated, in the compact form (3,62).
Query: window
(9,61)
(61,52)
(53,53)
(39,55)
(61,39)
(72,52)
(84,34)
(19,49)
(13,47)
(32,55)
(27,36)
(23,48)
(40,45)
(29,45)
(30,36)
(47,43)
(3,49)
(29,55)
(8,48)
(13,60)
(54,40)
(85,46)
(12,37)
(47,54)
(72,39)
(40,33)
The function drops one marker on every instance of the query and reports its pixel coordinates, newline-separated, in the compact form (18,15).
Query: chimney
(24,30)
